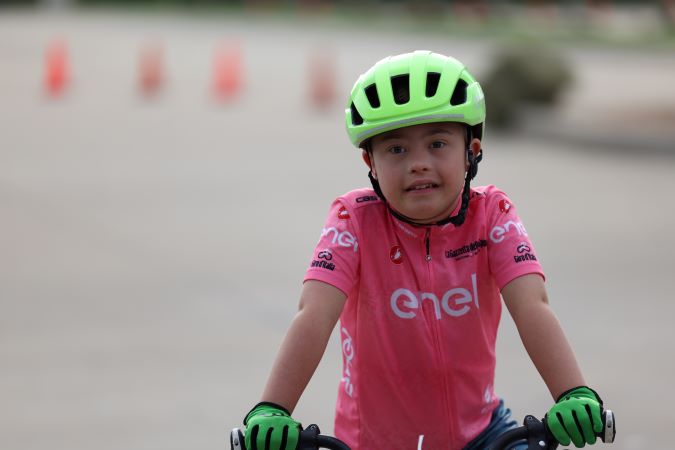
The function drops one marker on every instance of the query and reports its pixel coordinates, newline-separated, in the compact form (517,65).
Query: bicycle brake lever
(237,439)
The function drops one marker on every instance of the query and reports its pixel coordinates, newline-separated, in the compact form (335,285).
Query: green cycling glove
(576,417)
(270,427)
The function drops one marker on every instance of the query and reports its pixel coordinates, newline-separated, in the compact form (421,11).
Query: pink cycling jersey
(419,325)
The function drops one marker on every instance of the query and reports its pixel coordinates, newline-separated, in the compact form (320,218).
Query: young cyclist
(414,269)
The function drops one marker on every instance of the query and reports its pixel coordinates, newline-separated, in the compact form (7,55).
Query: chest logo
(455,302)
(465,251)
(396,255)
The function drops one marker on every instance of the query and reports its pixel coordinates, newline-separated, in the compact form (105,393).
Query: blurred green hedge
(524,75)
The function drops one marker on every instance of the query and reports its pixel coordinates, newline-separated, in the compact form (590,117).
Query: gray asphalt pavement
(152,251)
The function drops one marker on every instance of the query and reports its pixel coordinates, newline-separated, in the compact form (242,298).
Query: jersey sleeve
(510,250)
(336,256)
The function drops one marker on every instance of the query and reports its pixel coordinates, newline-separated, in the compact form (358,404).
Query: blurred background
(166,168)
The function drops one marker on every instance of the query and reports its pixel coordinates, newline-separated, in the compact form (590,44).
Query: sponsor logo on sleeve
(325,254)
(467,250)
(323,259)
(504,206)
(341,238)
(499,232)
(524,253)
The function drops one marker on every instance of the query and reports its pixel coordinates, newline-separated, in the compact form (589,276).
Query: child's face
(421,168)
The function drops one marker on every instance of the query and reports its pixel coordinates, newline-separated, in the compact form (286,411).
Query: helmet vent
(432,83)
(356,117)
(400,85)
(459,94)
(373,98)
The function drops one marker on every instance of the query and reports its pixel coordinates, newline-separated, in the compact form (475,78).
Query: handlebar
(310,439)
(534,431)
(538,436)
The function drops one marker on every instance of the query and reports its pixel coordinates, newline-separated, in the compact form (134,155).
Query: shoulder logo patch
(504,206)
(343,213)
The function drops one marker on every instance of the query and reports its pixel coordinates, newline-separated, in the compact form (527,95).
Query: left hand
(270,427)
(576,417)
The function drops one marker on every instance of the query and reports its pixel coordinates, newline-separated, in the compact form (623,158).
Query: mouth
(422,187)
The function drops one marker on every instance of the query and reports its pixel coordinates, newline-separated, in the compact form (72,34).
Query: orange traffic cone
(322,78)
(227,72)
(542,12)
(599,12)
(668,6)
(151,70)
(57,68)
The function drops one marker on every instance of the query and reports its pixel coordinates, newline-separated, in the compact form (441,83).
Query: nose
(420,161)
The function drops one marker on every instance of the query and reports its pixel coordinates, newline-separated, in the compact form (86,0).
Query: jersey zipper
(435,327)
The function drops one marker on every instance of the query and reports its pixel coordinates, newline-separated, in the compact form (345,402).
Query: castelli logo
(396,255)
(504,206)
(343,213)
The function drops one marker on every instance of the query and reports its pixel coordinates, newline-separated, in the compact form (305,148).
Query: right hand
(270,427)
(576,417)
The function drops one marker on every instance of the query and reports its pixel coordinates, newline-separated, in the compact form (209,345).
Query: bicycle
(534,432)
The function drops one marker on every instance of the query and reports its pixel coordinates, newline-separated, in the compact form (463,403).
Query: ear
(475,147)
(366,159)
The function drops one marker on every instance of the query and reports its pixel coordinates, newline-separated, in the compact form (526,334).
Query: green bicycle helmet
(411,89)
